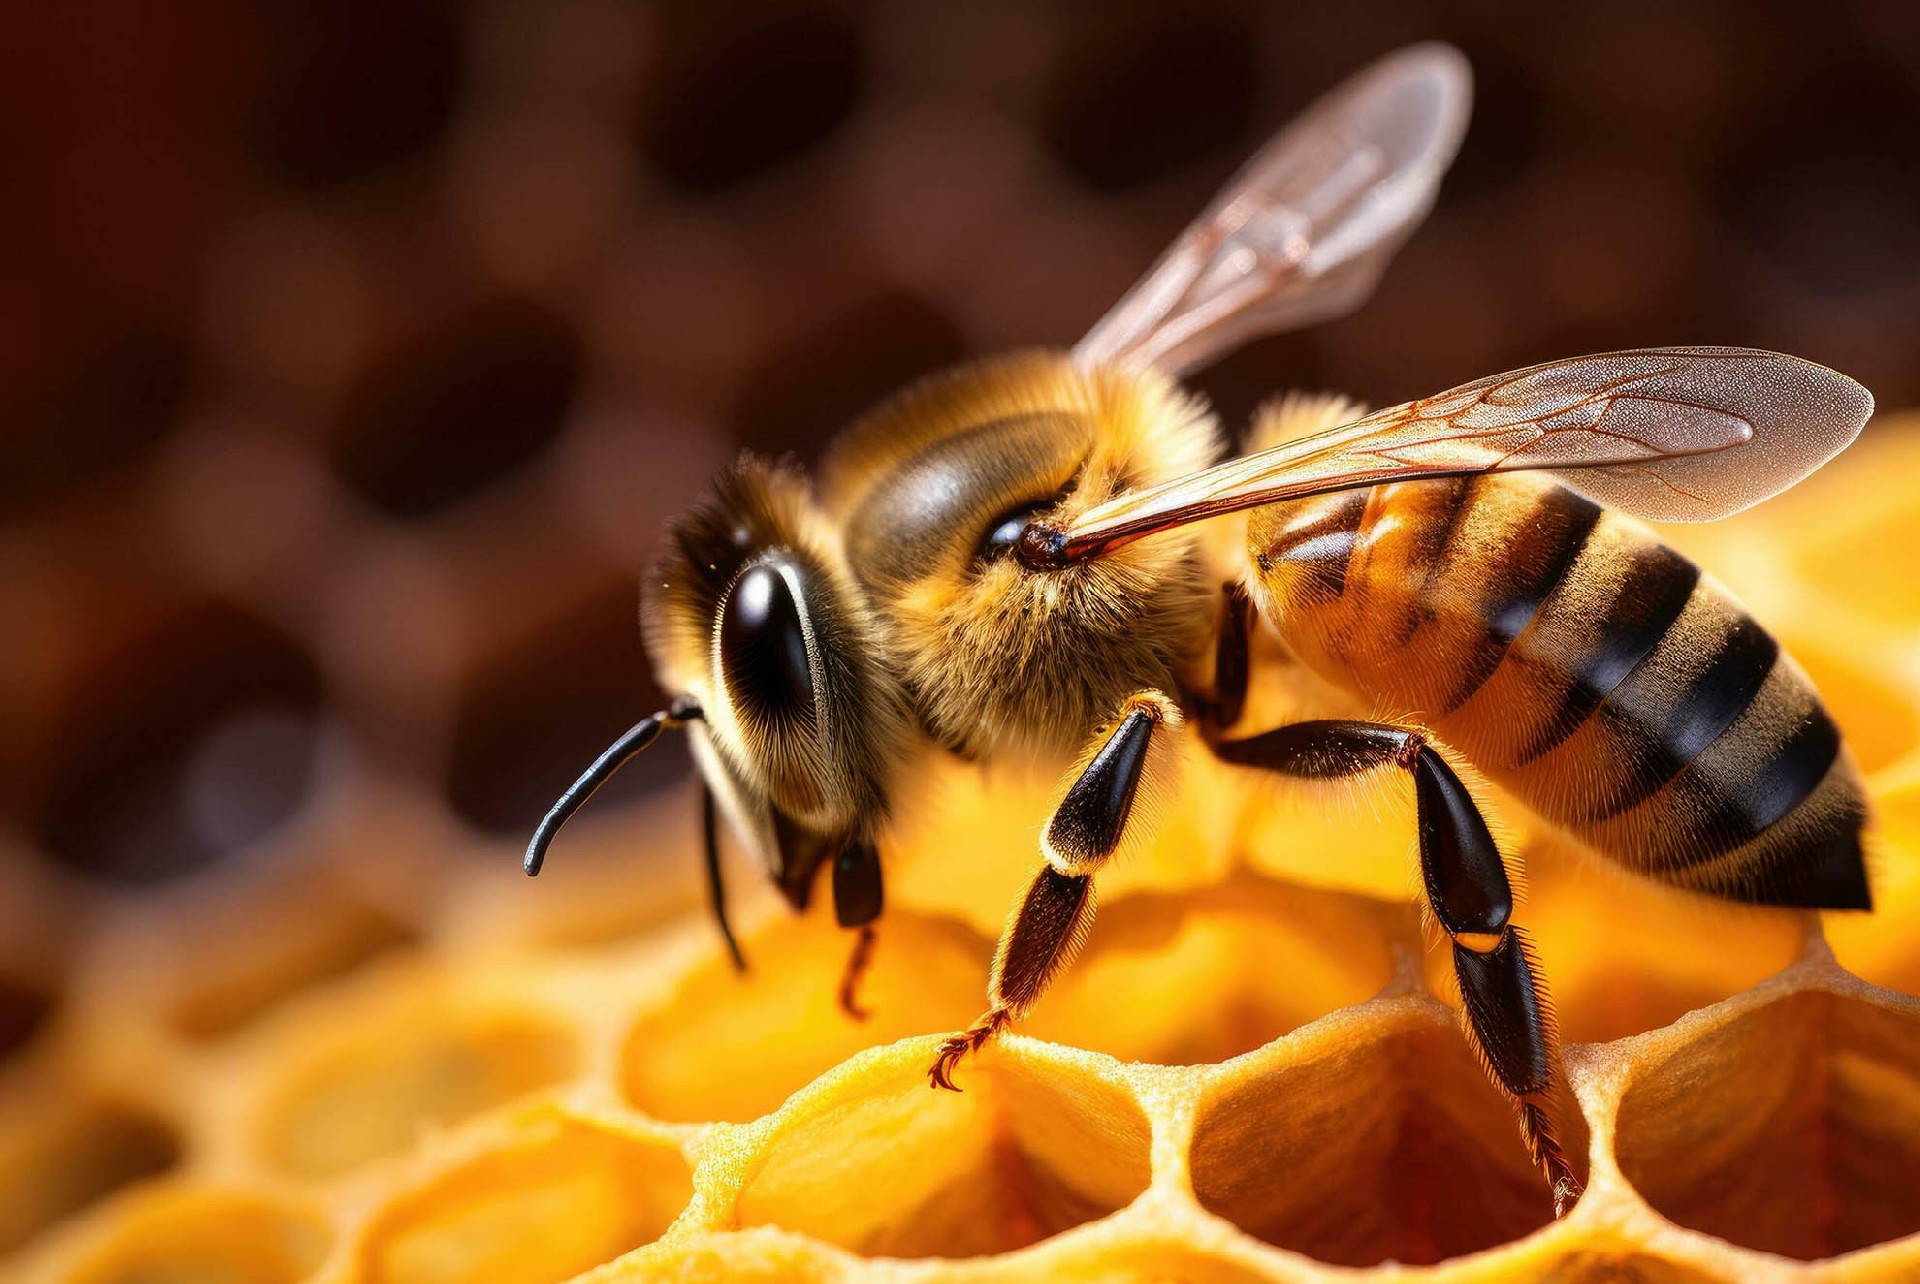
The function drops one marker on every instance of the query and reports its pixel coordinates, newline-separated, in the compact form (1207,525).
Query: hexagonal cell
(559,1198)
(307,935)
(181,1234)
(732,1047)
(59,1155)
(348,91)
(374,1081)
(732,94)
(877,1162)
(193,740)
(1202,976)
(1370,1137)
(459,408)
(1103,132)
(1790,1126)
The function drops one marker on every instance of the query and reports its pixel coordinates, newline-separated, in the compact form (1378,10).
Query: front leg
(1508,1018)
(858,898)
(1092,820)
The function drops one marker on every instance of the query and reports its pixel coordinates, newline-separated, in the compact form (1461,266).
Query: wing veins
(1627,416)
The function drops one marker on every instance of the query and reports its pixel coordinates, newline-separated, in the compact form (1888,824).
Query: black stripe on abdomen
(1796,768)
(1735,807)
(1545,546)
(1321,545)
(1652,596)
(1662,736)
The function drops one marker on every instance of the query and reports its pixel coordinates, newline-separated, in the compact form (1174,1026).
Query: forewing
(1670,434)
(1304,229)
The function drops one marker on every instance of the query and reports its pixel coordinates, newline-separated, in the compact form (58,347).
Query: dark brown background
(352,352)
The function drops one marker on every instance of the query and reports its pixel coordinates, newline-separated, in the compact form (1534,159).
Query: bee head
(933,491)
(752,612)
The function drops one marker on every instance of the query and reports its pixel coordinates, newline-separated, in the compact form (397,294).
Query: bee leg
(857,963)
(1230,660)
(1057,911)
(1509,1020)
(1041,939)
(858,897)
(716,888)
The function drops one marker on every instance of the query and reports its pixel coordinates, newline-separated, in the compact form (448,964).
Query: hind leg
(1508,1018)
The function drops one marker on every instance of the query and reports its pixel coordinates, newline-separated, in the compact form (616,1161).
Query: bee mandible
(1004,558)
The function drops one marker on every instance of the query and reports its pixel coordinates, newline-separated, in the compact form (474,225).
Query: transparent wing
(1670,434)
(1304,229)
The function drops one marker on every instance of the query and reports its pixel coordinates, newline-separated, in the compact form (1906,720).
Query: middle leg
(1508,1017)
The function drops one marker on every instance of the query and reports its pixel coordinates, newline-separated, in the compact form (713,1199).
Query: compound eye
(1004,532)
(763,646)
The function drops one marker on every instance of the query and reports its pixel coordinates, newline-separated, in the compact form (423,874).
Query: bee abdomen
(1588,669)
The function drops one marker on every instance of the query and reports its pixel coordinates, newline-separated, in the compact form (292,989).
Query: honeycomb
(361,360)
(1253,1072)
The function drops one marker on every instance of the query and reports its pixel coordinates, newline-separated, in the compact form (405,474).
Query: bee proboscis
(1004,558)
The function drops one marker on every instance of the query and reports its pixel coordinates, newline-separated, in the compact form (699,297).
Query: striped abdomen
(1585,667)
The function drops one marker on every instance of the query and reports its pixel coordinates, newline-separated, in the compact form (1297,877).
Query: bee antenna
(616,755)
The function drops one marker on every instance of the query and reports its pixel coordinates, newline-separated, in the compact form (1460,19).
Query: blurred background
(354,352)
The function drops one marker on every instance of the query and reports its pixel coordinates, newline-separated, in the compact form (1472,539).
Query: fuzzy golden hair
(992,654)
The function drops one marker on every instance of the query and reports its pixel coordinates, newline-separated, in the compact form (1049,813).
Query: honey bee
(1005,559)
